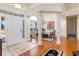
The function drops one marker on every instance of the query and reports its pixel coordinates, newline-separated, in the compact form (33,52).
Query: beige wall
(71,25)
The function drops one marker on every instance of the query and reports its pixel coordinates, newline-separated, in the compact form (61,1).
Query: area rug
(53,52)
(17,49)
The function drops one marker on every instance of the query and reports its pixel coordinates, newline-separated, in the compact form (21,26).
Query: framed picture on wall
(50,25)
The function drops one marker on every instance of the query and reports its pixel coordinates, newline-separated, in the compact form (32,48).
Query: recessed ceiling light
(18,6)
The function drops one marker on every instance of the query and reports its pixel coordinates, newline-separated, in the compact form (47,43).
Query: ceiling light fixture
(33,18)
(18,6)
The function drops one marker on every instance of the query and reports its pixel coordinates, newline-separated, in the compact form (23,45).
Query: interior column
(78,31)
(58,29)
(39,26)
(27,27)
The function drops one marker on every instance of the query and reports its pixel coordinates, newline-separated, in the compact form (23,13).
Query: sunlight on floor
(18,49)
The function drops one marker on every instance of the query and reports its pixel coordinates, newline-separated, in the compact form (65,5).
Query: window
(22,27)
(2,23)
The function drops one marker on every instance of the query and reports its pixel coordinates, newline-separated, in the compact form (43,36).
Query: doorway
(72,27)
(33,29)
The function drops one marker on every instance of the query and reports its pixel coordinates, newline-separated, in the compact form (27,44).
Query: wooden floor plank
(67,47)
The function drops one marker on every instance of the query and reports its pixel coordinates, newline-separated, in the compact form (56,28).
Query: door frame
(67,24)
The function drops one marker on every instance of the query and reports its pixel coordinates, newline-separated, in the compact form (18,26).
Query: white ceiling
(71,6)
(67,6)
(44,6)
(40,6)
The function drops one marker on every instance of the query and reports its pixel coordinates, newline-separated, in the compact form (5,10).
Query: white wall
(27,27)
(13,31)
(53,17)
(16,37)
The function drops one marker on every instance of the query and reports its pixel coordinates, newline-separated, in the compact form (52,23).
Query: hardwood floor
(67,47)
